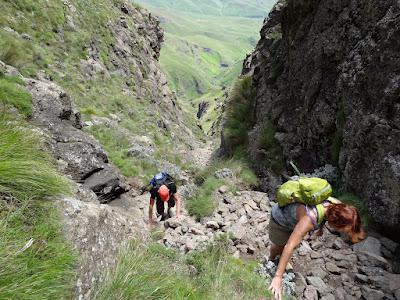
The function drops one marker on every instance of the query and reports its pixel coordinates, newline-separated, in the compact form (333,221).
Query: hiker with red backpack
(304,205)
(163,190)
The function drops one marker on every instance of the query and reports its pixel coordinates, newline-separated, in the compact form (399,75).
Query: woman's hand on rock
(276,287)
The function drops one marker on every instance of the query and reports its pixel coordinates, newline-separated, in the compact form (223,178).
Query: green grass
(266,141)
(238,108)
(155,272)
(26,170)
(46,269)
(12,93)
(27,178)
(203,203)
(201,36)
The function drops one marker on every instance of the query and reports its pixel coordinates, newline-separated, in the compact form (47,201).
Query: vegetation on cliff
(36,261)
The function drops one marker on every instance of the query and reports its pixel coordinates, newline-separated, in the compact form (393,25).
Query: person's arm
(178,205)
(151,204)
(300,230)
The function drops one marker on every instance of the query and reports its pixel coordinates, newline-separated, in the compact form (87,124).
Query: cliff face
(327,76)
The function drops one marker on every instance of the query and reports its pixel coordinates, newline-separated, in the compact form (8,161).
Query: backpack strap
(311,217)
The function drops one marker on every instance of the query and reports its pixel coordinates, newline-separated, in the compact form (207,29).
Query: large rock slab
(79,155)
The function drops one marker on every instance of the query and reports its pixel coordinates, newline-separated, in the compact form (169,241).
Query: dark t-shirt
(154,191)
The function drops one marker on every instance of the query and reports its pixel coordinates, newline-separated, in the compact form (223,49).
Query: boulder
(223,173)
(84,158)
(372,260)
(223,189)
(318,283)
(310,293)
(371,294)
(370,245)
(212,224)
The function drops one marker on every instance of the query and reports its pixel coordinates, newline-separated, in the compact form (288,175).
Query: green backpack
(310,191)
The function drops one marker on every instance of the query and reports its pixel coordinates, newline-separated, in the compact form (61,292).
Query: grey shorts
(278,234)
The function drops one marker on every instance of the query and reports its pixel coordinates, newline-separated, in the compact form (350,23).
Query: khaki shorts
(278,234)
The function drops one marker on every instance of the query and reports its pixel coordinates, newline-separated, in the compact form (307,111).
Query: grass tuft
(156,272)
(12,93)
(238,109)
(45,269)
(203,204)
(26,170)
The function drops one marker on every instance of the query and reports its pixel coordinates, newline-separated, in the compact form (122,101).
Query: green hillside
(206,41)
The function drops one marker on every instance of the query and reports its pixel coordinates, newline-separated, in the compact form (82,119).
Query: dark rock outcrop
(203,106)
(80,156)
(327,75)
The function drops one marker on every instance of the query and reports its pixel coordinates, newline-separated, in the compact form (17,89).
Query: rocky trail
(326,267)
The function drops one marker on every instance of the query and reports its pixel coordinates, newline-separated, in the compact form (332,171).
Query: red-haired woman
(291,223)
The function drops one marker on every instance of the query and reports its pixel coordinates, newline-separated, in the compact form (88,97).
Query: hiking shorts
(278,234)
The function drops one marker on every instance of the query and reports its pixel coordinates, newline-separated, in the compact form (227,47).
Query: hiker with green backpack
(163,190)
(304,205)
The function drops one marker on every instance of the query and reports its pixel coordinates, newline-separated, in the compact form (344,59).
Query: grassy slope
(202,35)
(164,274)
(58,50)
(27,177)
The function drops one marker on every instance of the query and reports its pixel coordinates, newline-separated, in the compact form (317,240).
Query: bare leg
(275,251)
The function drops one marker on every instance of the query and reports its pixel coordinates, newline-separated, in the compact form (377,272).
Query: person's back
(163,191)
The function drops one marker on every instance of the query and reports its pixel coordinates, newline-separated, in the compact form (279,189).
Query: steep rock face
(133,57)
(78,154)
(328,85)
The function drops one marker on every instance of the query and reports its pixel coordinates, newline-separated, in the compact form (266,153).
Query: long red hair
(346,218)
